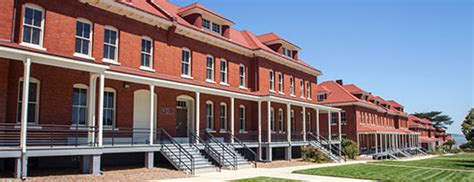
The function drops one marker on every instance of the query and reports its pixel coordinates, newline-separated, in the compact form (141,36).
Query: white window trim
(292,86)
(302,89)
(212,80)
(243,119)
(226,71)
(292,120)
(345,118)
(108,89)
(308,121)
(148,68)
(38,82)
(211,116)
(272,119)
(41,38)
(117,43)
(334,115)
(272,81)
(86,56)
(280,83)
(243,77)
(224,128)
(280,120)
(308,90)
(82,86)
(188,75)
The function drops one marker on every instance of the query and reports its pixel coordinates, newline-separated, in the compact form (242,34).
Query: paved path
(282,172)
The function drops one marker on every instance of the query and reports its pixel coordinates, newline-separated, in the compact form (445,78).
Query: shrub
(313,154)
(468,145)
(450,144)
(350,148)
(455,150)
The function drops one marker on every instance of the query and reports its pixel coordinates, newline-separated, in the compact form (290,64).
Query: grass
(445,168)
(264,179)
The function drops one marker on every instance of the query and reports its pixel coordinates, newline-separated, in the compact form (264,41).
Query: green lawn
(264,179)
(440,169)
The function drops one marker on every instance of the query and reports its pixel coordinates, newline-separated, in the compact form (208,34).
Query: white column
(329,126)
(317,123)
(92,103)
(24,105)
(269,131)
(198,115)
(340,132)
(376,144)
(152,114)
(288,122)
(232,119)
(304,123)
(101,110)
(259,130)
(386,142)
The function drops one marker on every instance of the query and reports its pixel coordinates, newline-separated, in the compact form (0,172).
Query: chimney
(339,82)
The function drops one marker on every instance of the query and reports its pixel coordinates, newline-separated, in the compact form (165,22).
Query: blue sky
(418,52)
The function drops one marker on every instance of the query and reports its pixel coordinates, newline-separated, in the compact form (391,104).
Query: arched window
(210,68)
(223,116)
(33,100)
(186,59)
(109,107)
(272,119)
(223,71)
(209,115)
(84,34)
(146,62)
(33,26)
(242,82)
(111,44)
(79,104)
(242,113)
(272,80)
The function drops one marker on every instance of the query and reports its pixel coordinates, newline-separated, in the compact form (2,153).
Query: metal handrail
(181,150)
(244,146)
(224,149)
(331,147)
(214,154)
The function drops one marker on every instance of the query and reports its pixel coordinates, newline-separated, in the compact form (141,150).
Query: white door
(141,115)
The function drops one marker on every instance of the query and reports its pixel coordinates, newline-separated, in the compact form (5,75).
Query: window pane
(36,36)
(107,36)
(82,116)
(79,29)
(26,34)
(31,112)
(75,96)
(78,45)
(86,30)
(75,114)
(83,97)
(28,16)
(85,47)
(37,18)
(32,92)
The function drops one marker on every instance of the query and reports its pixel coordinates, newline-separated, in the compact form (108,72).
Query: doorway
(184,116)
(141,116)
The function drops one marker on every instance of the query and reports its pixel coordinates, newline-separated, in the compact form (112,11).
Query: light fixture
(126,85)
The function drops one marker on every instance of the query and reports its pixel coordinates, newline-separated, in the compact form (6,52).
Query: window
(223,116)
(322,97)
(186,63)
(33,100)
(216,28)
(292,86)
(308,121)
(287,52)
(272,119)
(280,83)
(272,80)
(33,25)
(209,115)
(210,68)
(302,88)
(109,107)
(110,44)
(242,117)
(280,119)
(292,120)
(308,90)
(206,24)
(223,71)
(242,75)
(79,104)
(83,37)
(333,118)
(147,53)
(343,118)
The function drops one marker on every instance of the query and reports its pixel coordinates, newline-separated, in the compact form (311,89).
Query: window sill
(292,95)
(79,55)
(79,127)
(30,126)
(187,77)
(302,97)
(333,124)
(34,46)
(272,91)
(210,130)
(243,88)
(224,84)
(309,98)
(144,68)
(281,132)
(281,93)
(222,131)
(110,61)
(110,128)
(243,131)
(210,81)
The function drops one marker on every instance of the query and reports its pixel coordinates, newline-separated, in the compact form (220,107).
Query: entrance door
(182,119)
(141,116)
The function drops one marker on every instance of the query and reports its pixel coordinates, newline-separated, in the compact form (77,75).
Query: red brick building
(428,133)
(377,125)
(132,76)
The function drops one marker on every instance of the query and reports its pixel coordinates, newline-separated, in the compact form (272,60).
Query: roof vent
(340,82)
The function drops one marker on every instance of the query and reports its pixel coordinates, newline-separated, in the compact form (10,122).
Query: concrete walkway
(282,172)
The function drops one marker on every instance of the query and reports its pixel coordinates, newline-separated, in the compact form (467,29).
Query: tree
(450,144)
(439,120)
(350,148)
(467,126)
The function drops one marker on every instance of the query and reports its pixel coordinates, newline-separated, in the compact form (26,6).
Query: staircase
(186,157)
(331,150)
(234,158)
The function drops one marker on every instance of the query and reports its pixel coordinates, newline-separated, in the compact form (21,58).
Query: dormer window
(322,96)
(287,52)
(211,26)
